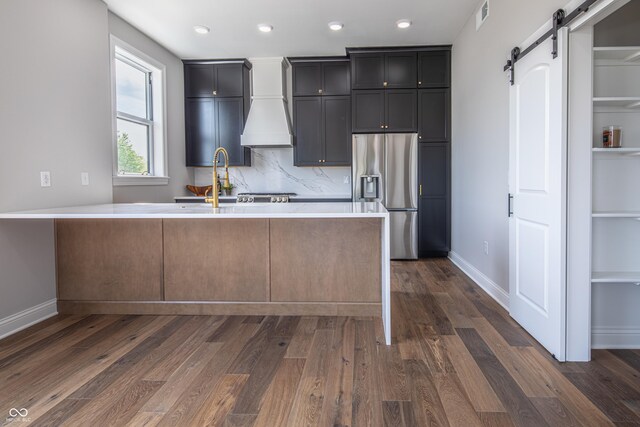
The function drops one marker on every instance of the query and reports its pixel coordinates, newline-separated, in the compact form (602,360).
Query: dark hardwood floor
(457,359)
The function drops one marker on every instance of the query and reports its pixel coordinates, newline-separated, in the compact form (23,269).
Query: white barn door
(537,183)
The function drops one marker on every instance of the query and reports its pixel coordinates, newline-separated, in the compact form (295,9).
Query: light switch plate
(84,178)
(45,179)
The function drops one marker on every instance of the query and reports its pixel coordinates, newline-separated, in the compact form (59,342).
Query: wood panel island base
(316,259)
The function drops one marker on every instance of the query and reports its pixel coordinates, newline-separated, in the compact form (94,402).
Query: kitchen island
(317,259)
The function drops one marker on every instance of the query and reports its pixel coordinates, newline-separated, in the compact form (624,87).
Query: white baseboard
(16,322)
(489,286)
(615,338)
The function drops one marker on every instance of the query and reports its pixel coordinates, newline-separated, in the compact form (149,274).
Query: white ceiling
(300,26)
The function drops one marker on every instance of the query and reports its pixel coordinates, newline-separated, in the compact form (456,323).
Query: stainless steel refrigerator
(385,170)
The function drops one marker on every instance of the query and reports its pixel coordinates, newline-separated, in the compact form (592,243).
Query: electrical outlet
(45,179)
(486,247)
(84,178)
(347,179)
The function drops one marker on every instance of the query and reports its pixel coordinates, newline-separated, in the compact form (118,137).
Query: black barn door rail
(559,20)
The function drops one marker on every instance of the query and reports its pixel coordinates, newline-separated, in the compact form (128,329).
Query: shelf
(628,54)
(615,277)
(632,215)
(617,101)
(623,151)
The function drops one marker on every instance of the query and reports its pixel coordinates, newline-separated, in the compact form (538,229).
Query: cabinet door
(228,80)
(434,69)
(198,80)
(400,70)
(307,79)
(229,125)
(400,106)
(307,117)
(367,71)
(200,131)
(336,120)
(433,113)
(336,78)
(368,111)
(434,212)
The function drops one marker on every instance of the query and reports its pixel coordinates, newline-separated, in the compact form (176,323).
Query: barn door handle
(510,201)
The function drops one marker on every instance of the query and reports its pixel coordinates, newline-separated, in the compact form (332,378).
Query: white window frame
(157,126)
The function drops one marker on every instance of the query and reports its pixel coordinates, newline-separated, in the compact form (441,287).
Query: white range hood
(268,124)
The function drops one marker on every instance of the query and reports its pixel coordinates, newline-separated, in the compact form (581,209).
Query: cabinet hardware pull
(319,90)
(319,161)
(386,126)
(510,207)
(419,136)
(381,126)
(419,83)
(215,92)
(384,84)
(421,189)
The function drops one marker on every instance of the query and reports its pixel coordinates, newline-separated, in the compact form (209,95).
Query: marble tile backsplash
(272,170)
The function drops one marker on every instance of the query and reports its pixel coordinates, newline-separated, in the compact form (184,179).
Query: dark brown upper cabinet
(393,70)
(322,128)
(434,69)
(379,111)
(204,80)
(320,77)
(217,100)
(433,115)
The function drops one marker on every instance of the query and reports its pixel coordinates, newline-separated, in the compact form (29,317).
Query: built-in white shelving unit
(615,182)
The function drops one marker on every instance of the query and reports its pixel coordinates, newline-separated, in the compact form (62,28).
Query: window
(138,91)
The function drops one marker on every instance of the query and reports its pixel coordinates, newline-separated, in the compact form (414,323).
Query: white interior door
(537,182)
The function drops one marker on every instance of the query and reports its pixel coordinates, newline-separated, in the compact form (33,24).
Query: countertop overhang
(195,210)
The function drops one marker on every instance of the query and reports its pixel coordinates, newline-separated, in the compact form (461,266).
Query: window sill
(139,180)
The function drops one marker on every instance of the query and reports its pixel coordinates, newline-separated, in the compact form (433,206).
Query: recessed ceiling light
(201,29)
(336,26)
(403,23)
(265,28)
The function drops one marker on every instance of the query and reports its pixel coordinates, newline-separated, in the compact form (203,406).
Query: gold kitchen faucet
(214,188)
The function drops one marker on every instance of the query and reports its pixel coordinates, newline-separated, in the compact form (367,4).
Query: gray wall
(54,116)
(480,148)
(179,174)
(620,28)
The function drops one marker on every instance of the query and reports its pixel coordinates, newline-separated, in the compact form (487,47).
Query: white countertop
(198,210)
(303,197)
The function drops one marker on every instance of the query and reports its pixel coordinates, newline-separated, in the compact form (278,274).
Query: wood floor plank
(457,316)
(577,403)
(35,333)
(215,409)
(287,326)
(198,391)
(302,338)
(406,339)
(531,379)
(426,403)
(253,349)
(47,393)
(630,357)
(622,371)
(510,394)
(480,393)
(240,420)
(250,398)
(367,405)
(337,406)
(554,412)
(496,419)
(183,375)
(457,407)
(615,410)
(278,399)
